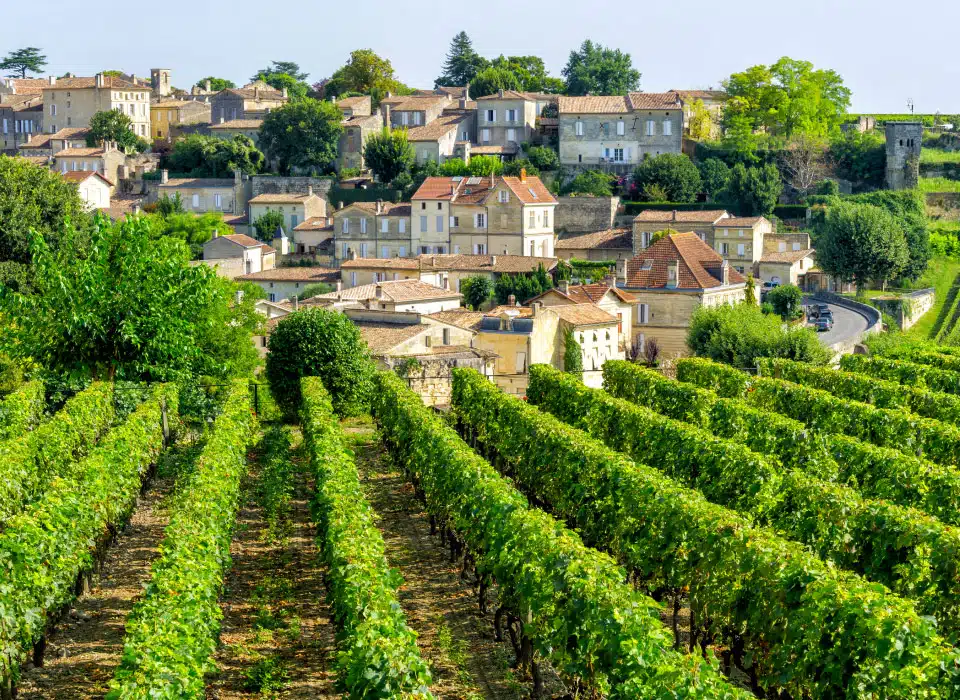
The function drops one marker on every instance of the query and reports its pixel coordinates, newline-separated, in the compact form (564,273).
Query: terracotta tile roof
(520,311)
(507,95)
(245,241)
(474,190)
(388,208)
(294,274)
(485,263)
(81,175)
(462,318)
(235,219)
(381,264)
(698,268)
(584,315)
(531,190)
(415,103)
(170,104)
(109,82)
(382,337)
(37,141)
(122,205)
(36,160)
(24,101)
(788,256)
(455,92)
(249,91)
(29,86)
(361,120)
(653,100)
(593,104)
(355,102)
(439,188)
(609,238)
(588,293)
(740,221)
(278,198)
(437,129)
(493,150)
(78,152)
(396,291)
(239,124)
(73,133)
(706,216)
(315,223)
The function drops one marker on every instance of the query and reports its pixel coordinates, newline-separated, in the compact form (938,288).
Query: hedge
(172,630)
(28,463)
(571,601)
(371,194)
(378,652)
(45,548)
(905,372)
(20,410)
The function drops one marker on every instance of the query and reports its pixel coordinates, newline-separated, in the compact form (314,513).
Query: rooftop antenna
(910,104)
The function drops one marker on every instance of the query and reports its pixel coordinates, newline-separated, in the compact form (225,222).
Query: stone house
(788,267)
(313,237)
(226,130)
(73,102)
(295,208)
(484,215)
(167,115)
(649,221)
(670,280)
(372,230)
(508,119)
(205,194)
(713,101)
(237,254)
(445,271)
(21,116)
(252,101)
(397,295)
(359,124)
(106,159)
(412,110)
(21,86)
(782,242)
(619,132)
(437,140)
(611,244)
(283,283)
(358,106)
(606,296)
(94,189)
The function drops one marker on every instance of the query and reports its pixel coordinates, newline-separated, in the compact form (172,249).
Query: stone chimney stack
(466,91)
(385,109)
(309,190)
(500,93)
(164,176)
(339,286)
(283,93)
(493,261)
(379,207)
(725,273)
(100,80)
(221,118)
(237,176)
(53,80)
(256,93)
(535,307)
(523,174)
(296,303)
(493,180)
(351,253)
(512,300)
(206,86)
(216,233)
(565,286)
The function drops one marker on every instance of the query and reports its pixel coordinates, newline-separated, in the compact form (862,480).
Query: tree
(860,157)
(476,290)
(543,157)
(701,122)
(787,99)
(750,291)
(168,205)
(365,73)
(216,84)
(315,289)
(591,182)
(596,70)
(530,72)
(23,60)
(483,166)
(462,63)
(754,191)
(739,334)
(296,89)
(787,300)
(572,353)
(804,163)
(193,230)
(388,154)
(304,134)
(286,67)
(112,125)
(714,176)
(127,306)
(515,166)
(674,172)
(267,224)
(207,156)
(860,243)
(33,197)
(491,79)
(325,344)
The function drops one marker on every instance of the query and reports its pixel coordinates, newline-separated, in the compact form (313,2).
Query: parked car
(824,323)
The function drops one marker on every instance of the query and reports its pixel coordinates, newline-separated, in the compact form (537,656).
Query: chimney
(256,93)
(340,205)
(433,261)
(674,215)
(216,233)
(378,291)
(237,176)
(493,180)
(535,307)
(309,190)
(221,117)
(463,103)
(206,86)
(136,208)
(164,177)
(565,286)
(296,303)
(100,80)
(53,80)
(493,261)
(239,296)
(386,115)
(283,93)
(523,174)
(512,300)
(453,189)
(725,273)
(446,283)
(500,93)
(379,207)
(610,280)
(339,286)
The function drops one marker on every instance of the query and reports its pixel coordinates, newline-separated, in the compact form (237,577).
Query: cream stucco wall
(74,107)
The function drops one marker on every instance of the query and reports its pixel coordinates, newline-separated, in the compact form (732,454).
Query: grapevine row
(777,606)
(913,554)
(21,409)
(940,360)
(45,548)
(570,601)
(378,651)
(172,631)
(904,372)
(29,462)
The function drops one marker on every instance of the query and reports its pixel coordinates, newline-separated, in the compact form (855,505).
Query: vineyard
(789,533)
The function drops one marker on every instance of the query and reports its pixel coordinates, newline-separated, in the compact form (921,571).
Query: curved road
(846,323)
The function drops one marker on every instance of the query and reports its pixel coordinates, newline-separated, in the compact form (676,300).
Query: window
(480,220)
(620,128)
(511,135)
(485,135)
(273,296)
(363,224)
(423,224)
(533,219)
(345,226)
(53,110)
(724,249)
(416,118)
(511,115)
(440,224)
(578,128)
(353,279)
(741,250)
(218,201)
(796,246)
(402,225)
(423,205)
(403,251)
(546,218)
(618,155)
(5,128)
(294,220)
(446,336)
(384,251)
(782,247)
(439,206)
(533,250)
(363,250)
(651,127)
(667,127)
(645,238)
(503,196)
(479,249)
(404,118)
(454,221)
(196,201)
(491,116)
(384,225)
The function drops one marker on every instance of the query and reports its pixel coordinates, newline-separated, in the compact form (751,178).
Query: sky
(887,52)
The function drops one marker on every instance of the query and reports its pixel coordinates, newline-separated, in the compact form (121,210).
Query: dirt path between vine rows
(277,637)
(466,661)
(84,650)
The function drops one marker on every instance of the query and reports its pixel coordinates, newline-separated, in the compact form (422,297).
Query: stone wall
(585,214)
(433,379)
(906,309)
(267,184)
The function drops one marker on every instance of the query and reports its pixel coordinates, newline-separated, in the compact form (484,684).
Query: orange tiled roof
(474,190)
(587,314)
(698,264)
(609,238)
(788,256)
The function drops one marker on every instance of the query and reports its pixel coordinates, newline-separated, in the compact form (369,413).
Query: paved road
(846,323)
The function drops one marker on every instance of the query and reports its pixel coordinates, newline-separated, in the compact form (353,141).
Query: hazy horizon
(675,46)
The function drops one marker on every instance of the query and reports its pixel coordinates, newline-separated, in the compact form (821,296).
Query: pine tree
(23,60)
(462,63)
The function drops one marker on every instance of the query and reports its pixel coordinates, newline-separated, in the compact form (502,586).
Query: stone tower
(160,82)
(903,154)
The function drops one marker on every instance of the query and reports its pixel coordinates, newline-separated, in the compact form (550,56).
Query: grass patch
(267,676)
(940,274)
(938,184)
(936,156)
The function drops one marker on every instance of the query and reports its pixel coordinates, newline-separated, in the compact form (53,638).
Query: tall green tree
(303,134)
(530,72)
(572,353)
(207,156)
(753,191)
(788,98)
(714,176)
(860,157)
(493,78)
(216,84)
(674,172)
(462,63)
(861,243)
(23,61)
(112,125)
(296,89)
(267,224)
(365,73)
(590,182)
(476,290)
(285,67)
(193,230)
(598,70)
(388,154)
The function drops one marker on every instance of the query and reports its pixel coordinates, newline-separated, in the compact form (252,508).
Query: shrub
(592,182)
(267,225)
(572,354)
(673,173)
(543,158)
(325,344)
(787,300)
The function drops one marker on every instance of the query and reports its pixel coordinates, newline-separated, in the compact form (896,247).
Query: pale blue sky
(886,51)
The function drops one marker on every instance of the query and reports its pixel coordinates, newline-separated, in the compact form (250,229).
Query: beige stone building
(168,115)
(437,140)
(670,280)
(410,111)
(789,267)
(314,237)
(649,221)
(284,283)
(295,208)
(72,102)
(606,296)
(205,194)
(237,254)
(372,230)
(94,189)
(619,132)
(106,160)
(21,116)
(252,101)
(484,215)
(396,295)
(359,124)
(237,127)
(508,119)
(740,240)
(615,244)
(713,101)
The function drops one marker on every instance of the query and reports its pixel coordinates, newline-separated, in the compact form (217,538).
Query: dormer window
(504,196)
(647,265)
